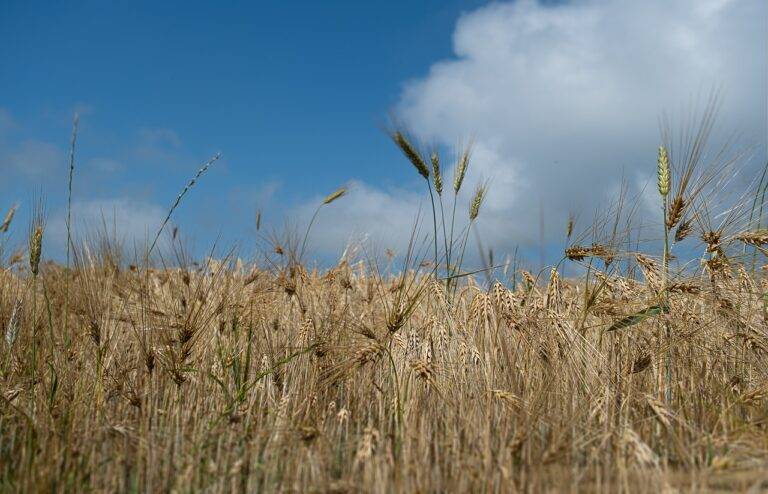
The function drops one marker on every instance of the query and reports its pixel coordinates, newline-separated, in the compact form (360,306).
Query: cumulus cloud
(562,101)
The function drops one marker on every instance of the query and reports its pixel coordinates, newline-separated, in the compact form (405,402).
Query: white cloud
(130,220)
(562,101)
(380,218)
(105,165)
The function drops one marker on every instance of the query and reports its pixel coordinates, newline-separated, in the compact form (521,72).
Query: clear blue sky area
(295,90)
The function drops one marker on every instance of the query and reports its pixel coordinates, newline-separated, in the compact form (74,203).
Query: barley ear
(759,237)
(663,172)
(477,201)
(461,170)
(8,219)
(683,230)
(35,249)
(436,175)
(335,195)
(410,152)
(676,209)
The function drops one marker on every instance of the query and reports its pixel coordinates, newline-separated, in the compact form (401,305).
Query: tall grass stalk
(337,194)
(417,160)
(438,182)
(459,173)
(181,195)
(664,180)
(75,122)
(73,142)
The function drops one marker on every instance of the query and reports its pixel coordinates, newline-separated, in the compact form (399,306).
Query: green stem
(663,296)
(450,246)
(69,186)
(445,238)
(463,248)
(434,218)
(306,234)
(665,303)
(33,368)
(70,246)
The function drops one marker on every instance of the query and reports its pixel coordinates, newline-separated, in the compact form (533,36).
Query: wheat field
(636,372)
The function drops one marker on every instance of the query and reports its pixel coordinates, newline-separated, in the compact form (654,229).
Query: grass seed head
(569,226)
(8,219)
(676,209)
(477,201)
(663,171)
(35,249)
(436,175)
(461,170)
(712,239)
(758,237)
(411,153)
(577,253)
(683,230)
(337,194)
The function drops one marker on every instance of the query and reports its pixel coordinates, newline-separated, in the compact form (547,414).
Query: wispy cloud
(35,159)
(160,137)
(104,165)
(6,122)
(128,219)
(158,146)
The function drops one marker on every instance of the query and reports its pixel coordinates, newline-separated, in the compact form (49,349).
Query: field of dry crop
(639,373)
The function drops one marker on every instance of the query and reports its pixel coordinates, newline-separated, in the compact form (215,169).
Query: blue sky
(295,96)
